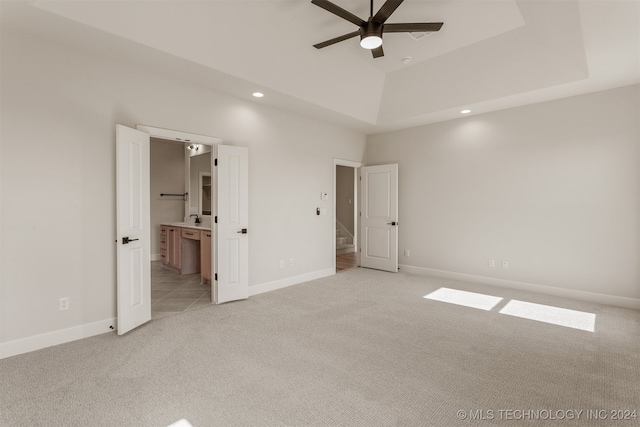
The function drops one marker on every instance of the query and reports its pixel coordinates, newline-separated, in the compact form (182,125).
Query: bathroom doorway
(228,241)
(177,196)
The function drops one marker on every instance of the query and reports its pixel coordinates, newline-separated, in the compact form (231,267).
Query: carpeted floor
(360,348)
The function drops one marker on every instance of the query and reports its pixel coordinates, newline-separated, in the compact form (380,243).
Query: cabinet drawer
(163,256)
(188,233)
(163,242)
(205,234)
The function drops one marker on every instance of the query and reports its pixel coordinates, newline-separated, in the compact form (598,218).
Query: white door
(379,219)
(231,279)
(133,224)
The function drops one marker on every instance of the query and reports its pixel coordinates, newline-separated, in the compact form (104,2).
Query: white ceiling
(489,54)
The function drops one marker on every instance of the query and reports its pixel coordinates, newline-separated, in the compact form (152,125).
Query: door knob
(126,240)
(243,231)
(392,223)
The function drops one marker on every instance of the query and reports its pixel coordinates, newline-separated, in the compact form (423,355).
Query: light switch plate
(324,196)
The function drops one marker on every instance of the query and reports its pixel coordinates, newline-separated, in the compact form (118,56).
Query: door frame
(356,191)
(186,137)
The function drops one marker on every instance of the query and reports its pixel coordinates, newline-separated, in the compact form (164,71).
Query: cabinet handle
(189,234)
(208,235)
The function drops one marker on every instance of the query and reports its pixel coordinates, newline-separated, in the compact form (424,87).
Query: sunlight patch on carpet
(548,314)
(181,423)
(464,298)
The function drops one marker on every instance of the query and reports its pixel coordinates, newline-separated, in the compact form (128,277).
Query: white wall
(167,170)
(58,209)
(553,188)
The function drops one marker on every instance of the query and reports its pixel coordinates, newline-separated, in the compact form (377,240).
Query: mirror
(200,181)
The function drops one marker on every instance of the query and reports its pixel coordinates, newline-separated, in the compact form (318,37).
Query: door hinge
(215,162)
(216,219)
(360,177)
(215,277)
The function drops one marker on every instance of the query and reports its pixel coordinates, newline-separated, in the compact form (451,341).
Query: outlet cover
(64,304)
(505,264)
(492,263)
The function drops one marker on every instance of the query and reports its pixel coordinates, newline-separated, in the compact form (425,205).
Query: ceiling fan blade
(423,27)
(337,10)
(386,10)
(377,52)
(336,40)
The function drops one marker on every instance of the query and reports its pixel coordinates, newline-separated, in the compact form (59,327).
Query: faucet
(197,218)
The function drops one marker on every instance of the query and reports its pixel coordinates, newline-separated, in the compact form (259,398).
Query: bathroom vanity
(186,249)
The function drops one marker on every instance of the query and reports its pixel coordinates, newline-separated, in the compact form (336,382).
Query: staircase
(344,244)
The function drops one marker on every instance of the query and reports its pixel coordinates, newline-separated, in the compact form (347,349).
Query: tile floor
(172,293)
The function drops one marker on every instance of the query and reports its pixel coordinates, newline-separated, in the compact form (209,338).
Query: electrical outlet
(492,263)
(406,252)
(281,263)
(505,264)
(64,303)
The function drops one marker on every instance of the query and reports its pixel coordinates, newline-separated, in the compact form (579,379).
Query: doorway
(228,240)
(345,214)
(177,194)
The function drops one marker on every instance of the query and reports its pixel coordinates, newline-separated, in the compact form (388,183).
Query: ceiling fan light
(371,42)
(371,35)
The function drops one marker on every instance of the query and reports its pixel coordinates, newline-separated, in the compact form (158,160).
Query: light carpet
(361,348)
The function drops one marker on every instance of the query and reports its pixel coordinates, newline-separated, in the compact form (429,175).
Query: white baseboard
(289,281)
(617,301)
(155,257)
(48,339)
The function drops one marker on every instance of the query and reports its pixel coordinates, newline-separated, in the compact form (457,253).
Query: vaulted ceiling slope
(489,55)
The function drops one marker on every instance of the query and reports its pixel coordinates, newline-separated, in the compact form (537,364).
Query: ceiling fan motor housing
(371,28)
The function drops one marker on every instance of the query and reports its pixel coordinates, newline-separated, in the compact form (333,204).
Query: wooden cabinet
(205,256)
(174,247)
(164,256)
(186,250)
(190,241)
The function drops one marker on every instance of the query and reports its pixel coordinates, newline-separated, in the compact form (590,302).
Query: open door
(379,220)
(231,280)
(133,224)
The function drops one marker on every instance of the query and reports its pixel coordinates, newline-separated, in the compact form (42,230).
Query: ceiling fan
(371,31)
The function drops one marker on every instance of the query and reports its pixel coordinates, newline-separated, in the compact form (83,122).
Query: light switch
(324,196)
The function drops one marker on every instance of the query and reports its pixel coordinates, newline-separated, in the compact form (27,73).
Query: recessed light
(258,94)
(465,111)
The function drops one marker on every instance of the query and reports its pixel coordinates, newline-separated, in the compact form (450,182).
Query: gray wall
(553,188)
(63,104)
(167,176)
